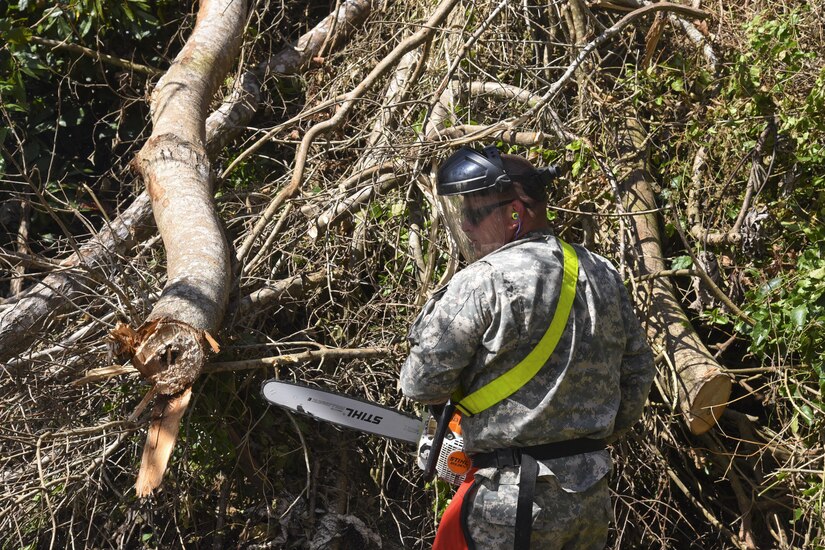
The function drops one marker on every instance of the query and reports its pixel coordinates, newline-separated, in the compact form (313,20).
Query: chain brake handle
(438,439)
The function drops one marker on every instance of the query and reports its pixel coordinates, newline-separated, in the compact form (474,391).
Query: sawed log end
(709,402)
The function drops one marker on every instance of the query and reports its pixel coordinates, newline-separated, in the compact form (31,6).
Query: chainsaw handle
(438,440)
(437,409)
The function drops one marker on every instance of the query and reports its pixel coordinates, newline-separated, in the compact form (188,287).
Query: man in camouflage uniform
(491,315)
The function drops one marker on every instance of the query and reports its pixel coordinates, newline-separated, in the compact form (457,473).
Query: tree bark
(172,345)
(702,389)
(21,322)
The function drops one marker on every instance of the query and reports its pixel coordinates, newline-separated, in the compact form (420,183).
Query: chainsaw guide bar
(343,410)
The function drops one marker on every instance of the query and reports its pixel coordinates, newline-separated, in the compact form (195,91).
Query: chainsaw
(440,446)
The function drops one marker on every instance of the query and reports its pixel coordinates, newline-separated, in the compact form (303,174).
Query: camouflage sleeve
(637,370)
(443,341)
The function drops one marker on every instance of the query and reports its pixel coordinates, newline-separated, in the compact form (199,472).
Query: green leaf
(759,335)
(17,36)
(128,11)
(817,274)
(576,168)
(719,318)
(681,262)
(807,414)
(85,26)
(15,107)
(799,315)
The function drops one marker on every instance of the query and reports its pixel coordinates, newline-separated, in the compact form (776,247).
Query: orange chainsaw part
(455,423)
(459,463)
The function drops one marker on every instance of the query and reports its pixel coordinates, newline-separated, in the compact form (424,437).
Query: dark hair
(527,179)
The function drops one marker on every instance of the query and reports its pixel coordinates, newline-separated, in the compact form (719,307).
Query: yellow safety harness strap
(510,382)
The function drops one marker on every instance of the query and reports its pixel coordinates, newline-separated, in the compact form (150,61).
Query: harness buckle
(508,456)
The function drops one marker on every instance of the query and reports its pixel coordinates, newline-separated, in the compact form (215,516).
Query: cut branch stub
(171,355)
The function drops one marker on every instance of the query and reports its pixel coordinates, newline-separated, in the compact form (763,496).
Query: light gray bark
(697,382)
(174,341)
(23,321)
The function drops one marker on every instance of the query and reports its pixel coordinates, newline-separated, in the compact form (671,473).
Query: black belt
(527,458)
(512,456)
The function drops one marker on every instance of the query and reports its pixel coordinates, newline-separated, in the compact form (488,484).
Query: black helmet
(470,171)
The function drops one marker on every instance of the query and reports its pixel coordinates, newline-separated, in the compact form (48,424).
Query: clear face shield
(481,222)
(478,196)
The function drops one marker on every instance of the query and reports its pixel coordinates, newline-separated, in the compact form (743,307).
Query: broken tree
(172,345)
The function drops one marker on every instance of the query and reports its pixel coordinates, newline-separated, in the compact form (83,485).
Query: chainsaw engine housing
(453,463)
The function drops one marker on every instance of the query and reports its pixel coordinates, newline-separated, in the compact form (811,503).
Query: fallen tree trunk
(22,322)
(701,387)
(171,347)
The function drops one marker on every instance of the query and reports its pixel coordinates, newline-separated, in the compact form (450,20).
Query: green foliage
(789,307)
(582,158)
(806,128)
(119,23)
(774,56)
(442,496)
(681,262)
(86,18)
(65,122)
(667,84)
(772,78)
(789,311)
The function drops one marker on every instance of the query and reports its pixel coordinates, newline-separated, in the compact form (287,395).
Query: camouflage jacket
(494,312)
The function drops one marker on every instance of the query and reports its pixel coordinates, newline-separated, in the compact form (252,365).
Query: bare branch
(106,58)
(406,45)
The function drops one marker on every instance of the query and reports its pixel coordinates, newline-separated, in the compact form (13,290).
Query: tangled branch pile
(324,154)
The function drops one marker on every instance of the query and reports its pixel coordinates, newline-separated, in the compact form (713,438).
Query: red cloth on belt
(450,535)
